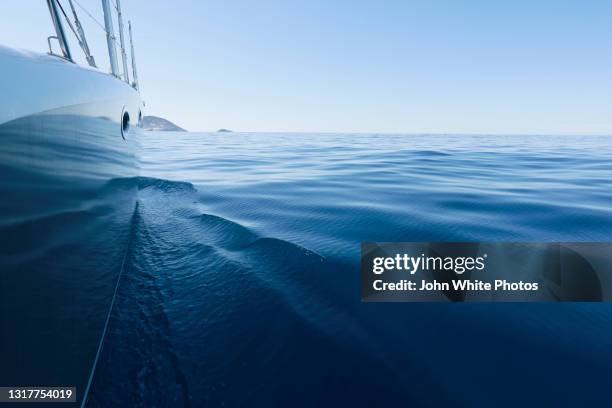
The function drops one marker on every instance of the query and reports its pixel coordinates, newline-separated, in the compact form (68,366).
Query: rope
(108,316)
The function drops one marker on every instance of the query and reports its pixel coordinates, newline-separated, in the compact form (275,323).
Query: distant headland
(160,124)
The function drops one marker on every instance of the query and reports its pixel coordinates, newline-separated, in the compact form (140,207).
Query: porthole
(125,123)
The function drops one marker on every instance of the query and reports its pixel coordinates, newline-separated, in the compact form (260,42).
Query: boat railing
(49,38)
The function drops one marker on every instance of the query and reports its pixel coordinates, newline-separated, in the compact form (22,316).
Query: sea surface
(241,281)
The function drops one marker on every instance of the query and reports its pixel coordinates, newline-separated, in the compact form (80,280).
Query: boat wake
(206,303)
(242,289)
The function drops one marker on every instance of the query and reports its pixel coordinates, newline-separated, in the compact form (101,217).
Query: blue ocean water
(67,196)
(241,285)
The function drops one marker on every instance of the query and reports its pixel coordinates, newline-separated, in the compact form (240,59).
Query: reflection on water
(68,188)
(241,285)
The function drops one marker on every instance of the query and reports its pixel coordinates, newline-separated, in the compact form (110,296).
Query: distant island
(160,124)
(224,131)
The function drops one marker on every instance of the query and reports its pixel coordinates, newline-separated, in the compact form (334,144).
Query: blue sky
(473,66)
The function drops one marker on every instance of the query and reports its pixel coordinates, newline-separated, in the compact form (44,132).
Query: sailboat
(69,137)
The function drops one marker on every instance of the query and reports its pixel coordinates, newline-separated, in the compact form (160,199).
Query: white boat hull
(68,168)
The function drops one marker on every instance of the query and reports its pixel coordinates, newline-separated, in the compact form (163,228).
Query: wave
(247,277)
(202,295)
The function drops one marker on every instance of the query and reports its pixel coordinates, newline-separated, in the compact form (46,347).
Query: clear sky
(472,66)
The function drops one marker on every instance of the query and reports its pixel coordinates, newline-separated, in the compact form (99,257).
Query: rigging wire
(80,36)
(90,16)
(100,25)
(83,40)
(68,21)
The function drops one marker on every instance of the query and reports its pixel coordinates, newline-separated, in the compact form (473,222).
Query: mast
(59,29)
(126,76)
(134,73)
(110,37)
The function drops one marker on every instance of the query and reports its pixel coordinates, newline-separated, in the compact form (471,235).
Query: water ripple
(242,285)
